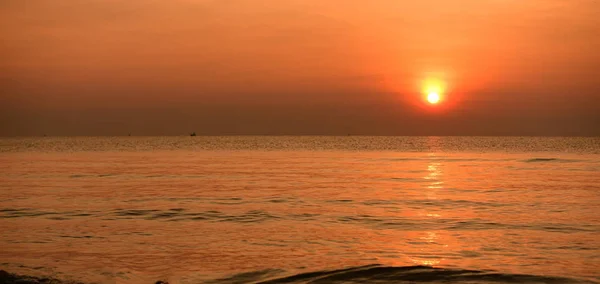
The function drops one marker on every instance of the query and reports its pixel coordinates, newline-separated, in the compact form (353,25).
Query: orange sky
(168,67)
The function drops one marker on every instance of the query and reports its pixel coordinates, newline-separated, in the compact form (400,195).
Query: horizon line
(294,135)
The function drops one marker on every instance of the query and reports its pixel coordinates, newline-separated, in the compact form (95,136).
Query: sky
(299,67)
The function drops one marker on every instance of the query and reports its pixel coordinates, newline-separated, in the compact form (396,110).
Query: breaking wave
(389,274)
(362,274)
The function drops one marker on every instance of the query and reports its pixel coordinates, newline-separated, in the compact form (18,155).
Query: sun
(433,91)
(433,98)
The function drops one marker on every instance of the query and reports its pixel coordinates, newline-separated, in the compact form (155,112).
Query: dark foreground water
(301,209)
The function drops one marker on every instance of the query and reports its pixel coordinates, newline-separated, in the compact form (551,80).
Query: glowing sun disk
(433,90)
(433,98)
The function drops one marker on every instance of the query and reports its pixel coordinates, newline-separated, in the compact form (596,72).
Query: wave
(259,216)
(174,214)
(10,278)
(361,274)
(389,274)
(541,160)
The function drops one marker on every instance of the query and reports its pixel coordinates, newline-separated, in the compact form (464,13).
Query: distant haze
(296,67)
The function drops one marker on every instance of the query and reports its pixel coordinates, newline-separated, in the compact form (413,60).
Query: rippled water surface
(227,209)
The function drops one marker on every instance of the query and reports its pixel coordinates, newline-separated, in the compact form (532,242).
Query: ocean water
(301,209)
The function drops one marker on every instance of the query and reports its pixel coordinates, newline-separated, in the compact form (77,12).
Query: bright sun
(433,98)
(433,91)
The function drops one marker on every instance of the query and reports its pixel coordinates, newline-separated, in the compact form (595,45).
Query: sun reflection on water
(434,184)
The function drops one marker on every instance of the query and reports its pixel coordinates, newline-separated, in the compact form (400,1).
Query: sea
(306,209)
